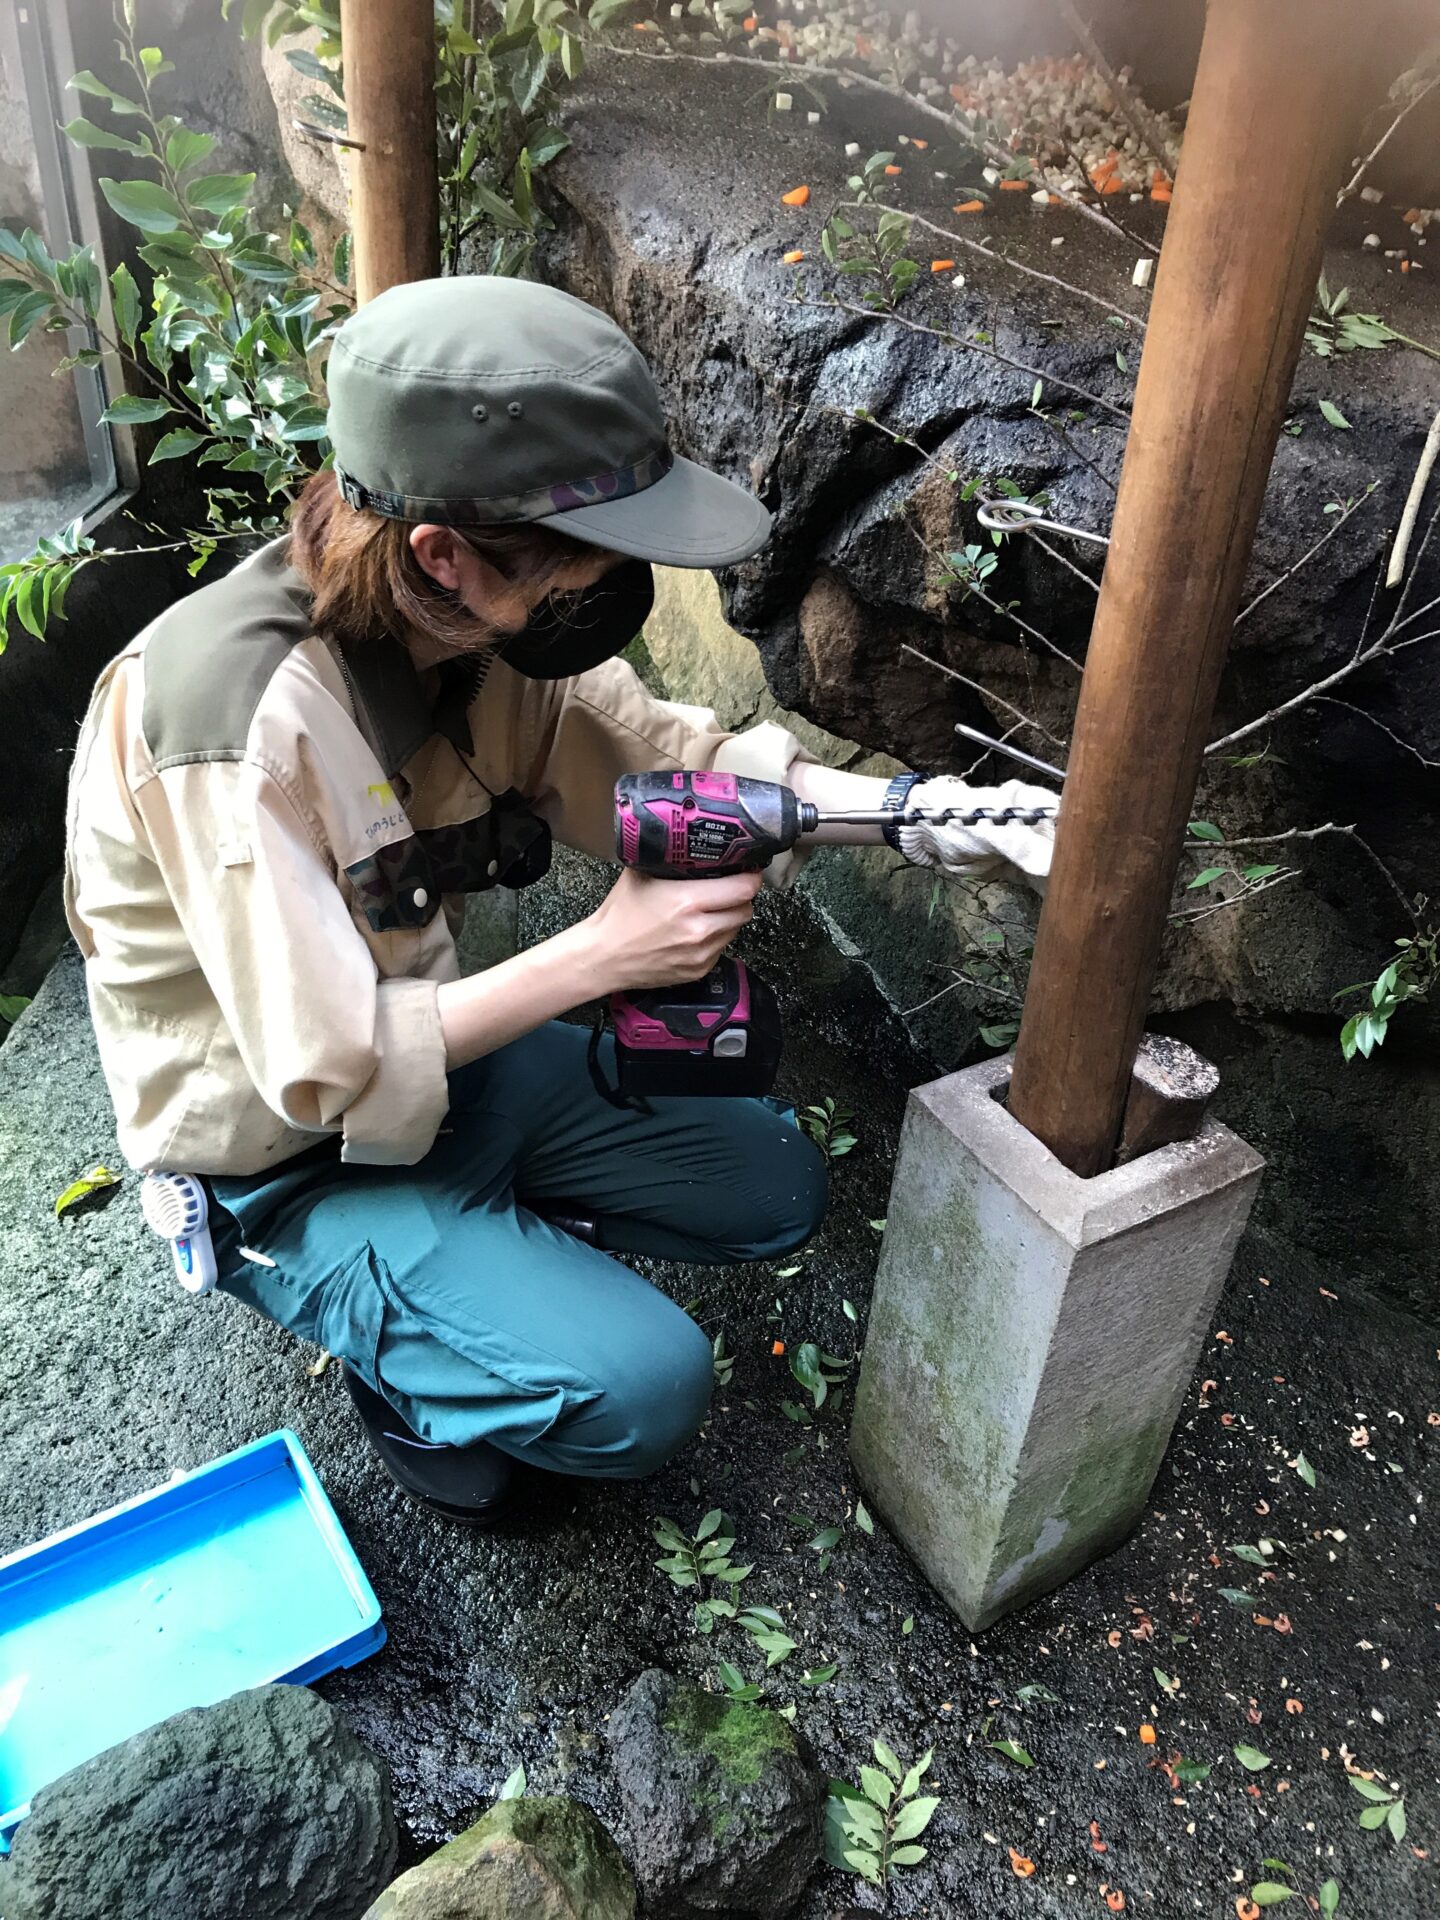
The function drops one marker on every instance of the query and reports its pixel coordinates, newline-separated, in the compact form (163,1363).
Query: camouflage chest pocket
(399,887)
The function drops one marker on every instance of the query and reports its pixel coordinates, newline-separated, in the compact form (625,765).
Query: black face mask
(592,626)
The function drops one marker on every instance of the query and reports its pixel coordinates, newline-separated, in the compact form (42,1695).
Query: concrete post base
(1031,1338)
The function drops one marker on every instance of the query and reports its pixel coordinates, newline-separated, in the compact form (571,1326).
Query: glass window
(56,461)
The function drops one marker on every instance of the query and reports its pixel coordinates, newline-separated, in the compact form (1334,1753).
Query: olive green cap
(478,401)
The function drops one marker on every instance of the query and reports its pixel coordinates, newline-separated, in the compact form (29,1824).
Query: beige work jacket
(268,847)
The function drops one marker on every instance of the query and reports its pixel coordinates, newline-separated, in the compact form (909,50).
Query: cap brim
(691,518)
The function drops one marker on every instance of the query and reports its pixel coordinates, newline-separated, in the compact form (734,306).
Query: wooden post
(390,101)
(1271,120)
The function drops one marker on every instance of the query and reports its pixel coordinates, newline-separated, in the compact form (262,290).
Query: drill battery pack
(719,1035)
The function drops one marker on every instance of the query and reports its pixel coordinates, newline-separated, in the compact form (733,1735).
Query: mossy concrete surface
(1031,1338)
(540,1859)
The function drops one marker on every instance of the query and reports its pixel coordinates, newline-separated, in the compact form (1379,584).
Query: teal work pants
(474,1317)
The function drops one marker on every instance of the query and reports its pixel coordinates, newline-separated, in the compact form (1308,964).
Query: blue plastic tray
(229,1577)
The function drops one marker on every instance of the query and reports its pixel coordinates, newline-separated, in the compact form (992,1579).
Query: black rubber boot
(569,1218)
(463,1483)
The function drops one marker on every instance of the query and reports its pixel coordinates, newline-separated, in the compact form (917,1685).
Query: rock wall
(669,213)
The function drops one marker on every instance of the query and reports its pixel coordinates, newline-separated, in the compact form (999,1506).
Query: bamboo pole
(390,103)
(1272,118)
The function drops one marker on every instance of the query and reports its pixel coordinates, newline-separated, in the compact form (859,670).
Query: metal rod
(1002,746)
(1023,516)
(312,132)
(938,816)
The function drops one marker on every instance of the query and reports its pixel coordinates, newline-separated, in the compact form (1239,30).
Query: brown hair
(366,580)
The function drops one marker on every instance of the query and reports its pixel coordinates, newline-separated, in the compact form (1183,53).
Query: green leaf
(87,83)
(1191,1772)
(144,204)
(340,264)
(879,1788)
(1251,1555)
(131,410)
(1261,872)
(1396,1821)
(514,1787)
(178,441)
(1203,830)
(1329,1898)
(1368,1790)
(1373,1817)
(91,1182)
(1269,1893)
(1304,1469)
(1239,1598)
(12,1005)
(1012,1750)
(220,192)
(1333,414)
(862,1518)
(85,133)
(184,148)
(1251,1758)
(888,1759)
(1163,1680)
(907,1625)
(914,1818)
(25,314)
(1207,877)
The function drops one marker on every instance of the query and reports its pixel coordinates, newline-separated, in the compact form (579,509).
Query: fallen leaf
(1251,1758)
(91,1182)
(1282,1624)
(1097,1845)
(1228,1338)
(1327,1295)
(1020,1866)
(797,197)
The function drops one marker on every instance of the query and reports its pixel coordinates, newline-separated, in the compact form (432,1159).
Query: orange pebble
(921,144)
(892,171)
(971,206)
(941,266)
(793,257)
(797,197)
(1161,193)
(777,1346)
(863,46)
(1147,1735)
(749,23)
(1112,185)
(1115,1900)
(1015,186)
(1020,1866)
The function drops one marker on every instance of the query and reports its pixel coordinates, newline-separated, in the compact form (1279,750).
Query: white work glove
(984,851)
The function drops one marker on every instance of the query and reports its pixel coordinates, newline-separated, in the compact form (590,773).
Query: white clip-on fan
(174,1206)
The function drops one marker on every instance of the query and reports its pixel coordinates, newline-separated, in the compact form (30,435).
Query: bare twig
(1311,833)
(1395,572)
(1329,534)
(988,693)
(971,346)
(1189,915)
(1352,186)
(1142,123)
(1070,447)
(995,606)
(966,980)
(1000,259)
(1363,656)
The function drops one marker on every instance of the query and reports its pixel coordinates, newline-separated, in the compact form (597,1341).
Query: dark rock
(263,1807)
(723,1807)
(541,1859)
(677,227)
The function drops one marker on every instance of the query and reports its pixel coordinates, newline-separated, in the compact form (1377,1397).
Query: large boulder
(263,1807)
(542,1859)
(723,1807)
(675,224)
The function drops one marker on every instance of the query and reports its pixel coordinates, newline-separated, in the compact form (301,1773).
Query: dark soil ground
(514,1645)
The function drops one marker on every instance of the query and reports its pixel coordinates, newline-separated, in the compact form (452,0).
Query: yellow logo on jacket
(382,792)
